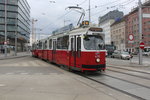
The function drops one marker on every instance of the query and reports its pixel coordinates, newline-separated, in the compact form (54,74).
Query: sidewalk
(11,56)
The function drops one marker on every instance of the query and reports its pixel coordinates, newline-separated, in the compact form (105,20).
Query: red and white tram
(79,49)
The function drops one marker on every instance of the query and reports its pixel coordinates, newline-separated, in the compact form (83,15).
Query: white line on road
(24,73)
(1,85)
(9,73)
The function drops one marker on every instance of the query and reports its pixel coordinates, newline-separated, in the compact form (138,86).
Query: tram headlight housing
(97,60)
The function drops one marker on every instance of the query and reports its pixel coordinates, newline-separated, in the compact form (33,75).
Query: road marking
(23,73)
(1,85)
(38,73)
(9,73)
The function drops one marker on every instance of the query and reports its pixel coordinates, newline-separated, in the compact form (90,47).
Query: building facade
(118,34)
(17,23)
(132,27)
(106,21)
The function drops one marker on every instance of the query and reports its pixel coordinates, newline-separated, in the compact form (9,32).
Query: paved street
(29,78)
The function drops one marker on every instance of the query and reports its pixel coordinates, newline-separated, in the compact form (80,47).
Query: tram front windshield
(93,42)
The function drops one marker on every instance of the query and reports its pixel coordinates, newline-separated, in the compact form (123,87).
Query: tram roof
(73,31)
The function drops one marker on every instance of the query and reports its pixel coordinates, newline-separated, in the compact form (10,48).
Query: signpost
(131,40)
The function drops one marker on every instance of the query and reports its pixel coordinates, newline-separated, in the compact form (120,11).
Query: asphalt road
(30,78)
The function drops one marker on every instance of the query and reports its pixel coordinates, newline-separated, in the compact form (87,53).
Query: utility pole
(89,10)
(140,32)
(5,43)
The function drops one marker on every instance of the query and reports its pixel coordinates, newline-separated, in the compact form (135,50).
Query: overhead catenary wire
(60,17)
(81,3)
(113,6)
(104,4)
(123,4)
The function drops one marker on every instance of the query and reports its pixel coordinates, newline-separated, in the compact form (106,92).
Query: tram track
(148,73)
(107,80)
(116,88)
(129,74)
(128,81)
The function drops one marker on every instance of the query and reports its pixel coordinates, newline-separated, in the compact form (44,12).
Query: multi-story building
(17,23)
(132,27)
(118,34)
(106,21)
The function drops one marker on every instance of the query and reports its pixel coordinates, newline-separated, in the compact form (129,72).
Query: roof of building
(118,21)
(147,3)
(111,15)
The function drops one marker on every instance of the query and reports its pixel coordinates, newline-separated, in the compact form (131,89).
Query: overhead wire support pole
(140,32)
(5,43)
(89,10)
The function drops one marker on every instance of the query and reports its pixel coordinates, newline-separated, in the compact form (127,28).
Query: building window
(2,27)
(12,2)
(12,8)
(2,7)
(12,14)
(2,13)
(2,20)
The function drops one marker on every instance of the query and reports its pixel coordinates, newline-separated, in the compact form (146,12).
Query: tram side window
(65,42)
(50,44)
(40,45)
(79,43)
(37,46)
(62,42)
(59,46)
(71,44)
(45,45)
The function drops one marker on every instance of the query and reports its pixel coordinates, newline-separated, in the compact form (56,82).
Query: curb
(14,57)
(128,65)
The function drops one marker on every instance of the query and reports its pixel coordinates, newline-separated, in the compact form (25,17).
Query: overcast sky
(51,16)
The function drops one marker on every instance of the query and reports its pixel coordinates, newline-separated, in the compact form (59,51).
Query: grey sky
(50,15)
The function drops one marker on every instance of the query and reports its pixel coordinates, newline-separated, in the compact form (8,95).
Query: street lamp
(5,43)
(33,30)
(16,37)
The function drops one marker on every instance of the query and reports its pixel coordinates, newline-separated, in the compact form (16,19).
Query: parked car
(146,53)
(121,55)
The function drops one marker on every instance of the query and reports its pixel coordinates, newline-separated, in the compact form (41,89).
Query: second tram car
(81,49)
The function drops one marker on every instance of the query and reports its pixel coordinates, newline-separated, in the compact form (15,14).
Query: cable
(81,3)
(104,4)
(60,17)
(127,2)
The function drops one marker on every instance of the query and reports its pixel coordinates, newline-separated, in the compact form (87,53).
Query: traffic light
(142,36)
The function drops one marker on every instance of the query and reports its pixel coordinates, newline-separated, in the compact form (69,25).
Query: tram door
(75,59)
(54,51)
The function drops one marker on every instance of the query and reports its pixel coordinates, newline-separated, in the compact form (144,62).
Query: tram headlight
(98,60)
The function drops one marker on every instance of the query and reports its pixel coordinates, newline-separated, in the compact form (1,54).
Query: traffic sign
(142,45)
(131,38)
(5,42)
